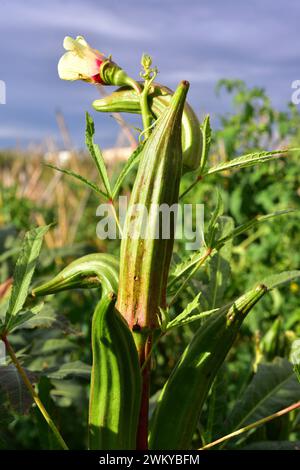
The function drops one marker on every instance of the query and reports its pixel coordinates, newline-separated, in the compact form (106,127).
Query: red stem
(142,434)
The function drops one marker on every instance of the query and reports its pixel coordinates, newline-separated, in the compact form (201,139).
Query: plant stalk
(111,202)
(146,114)
(33,393)
(189,188)
(254,425)
(144,346)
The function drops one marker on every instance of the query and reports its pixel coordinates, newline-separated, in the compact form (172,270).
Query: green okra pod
(127,100)
(94,270)
(180,403)
(115,392)
(145,253)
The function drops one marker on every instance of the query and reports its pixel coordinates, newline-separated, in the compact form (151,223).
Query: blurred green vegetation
(32,194)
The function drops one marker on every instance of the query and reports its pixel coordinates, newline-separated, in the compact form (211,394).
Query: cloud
(198,41)
(195,76)
(76,15)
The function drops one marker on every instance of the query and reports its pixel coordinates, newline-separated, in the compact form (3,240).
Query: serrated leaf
(80,178)
(277,280)
(186,266)
(272,388)
(96,153)
(249,225)
(218,267)
(132,160)
(188,318)
(186,313)
(191,266)
(23,317)
(72,369)
(67,393)
(212,226)
(44,319)
(53,345)
(24,270)
(249,160)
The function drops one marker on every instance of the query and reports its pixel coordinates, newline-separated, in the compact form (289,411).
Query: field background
(46,125)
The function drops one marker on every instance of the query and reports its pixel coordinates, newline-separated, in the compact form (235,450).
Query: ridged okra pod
(127,100)
(145,252)
(93,270)
(115,392)
(180,403)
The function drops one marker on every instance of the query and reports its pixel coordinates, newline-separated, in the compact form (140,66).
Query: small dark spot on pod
(262,287)
(136,278)
(136,327)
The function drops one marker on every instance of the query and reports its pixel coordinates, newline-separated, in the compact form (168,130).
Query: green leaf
(96,153)
(185,267)
(23,317)
(79,178)
(67,392)
(9,253)
(163,318)
(43,319)
(249,160)
(72,369)
(206,141)
(185,317)
(189,267)
(272,388)
(186,313)
(277,280)
(249,225)
(203,256)
(24,270)
(219,266)
(212,226)
(131,162)
(53,345)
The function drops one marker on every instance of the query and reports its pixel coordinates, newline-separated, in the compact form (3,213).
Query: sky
(198,40)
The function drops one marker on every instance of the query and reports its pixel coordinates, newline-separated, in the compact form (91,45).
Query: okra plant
(139,292)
